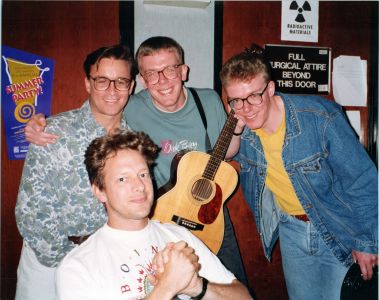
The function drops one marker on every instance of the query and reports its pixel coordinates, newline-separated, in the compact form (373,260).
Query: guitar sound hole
(202,189)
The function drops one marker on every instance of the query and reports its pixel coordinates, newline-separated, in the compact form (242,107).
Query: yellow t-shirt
(277,179)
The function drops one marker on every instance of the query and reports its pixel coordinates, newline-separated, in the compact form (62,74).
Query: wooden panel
(65,33)
(343,26)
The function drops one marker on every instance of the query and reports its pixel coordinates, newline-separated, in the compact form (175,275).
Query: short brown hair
(105,147)
(156,44)
(118,52)
(246,65)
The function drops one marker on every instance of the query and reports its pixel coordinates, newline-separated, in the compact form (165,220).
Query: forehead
(156,58)
(125,160)
(112,65)
(238,88)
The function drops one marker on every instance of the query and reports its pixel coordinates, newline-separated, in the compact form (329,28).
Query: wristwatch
(203,290)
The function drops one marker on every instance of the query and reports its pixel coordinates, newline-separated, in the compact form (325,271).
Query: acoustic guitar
(203,183)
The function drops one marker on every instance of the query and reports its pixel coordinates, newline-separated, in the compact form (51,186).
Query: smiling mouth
(251,117)
(111,100)
(166,91)
(139,200)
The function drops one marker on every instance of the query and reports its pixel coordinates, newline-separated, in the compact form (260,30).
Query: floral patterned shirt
(55,200)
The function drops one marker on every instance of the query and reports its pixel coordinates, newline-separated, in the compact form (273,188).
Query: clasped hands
(176,270)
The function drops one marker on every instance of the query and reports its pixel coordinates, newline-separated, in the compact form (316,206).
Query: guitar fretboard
(221,147)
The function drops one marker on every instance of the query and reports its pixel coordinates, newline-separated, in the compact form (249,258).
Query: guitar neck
(221,147)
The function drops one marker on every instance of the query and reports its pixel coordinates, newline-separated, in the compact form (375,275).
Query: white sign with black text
(300,20)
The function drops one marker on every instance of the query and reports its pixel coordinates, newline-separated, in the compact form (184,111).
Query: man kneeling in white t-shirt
(132,257)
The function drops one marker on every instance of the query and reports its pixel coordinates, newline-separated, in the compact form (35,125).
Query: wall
(191,27)
(64,33)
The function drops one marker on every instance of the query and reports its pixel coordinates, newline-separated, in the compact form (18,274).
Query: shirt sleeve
(38,210)
(73,282)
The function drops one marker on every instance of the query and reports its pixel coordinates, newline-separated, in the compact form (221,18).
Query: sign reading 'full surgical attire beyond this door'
(300,69)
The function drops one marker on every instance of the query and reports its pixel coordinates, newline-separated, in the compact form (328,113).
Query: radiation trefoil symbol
(306,7)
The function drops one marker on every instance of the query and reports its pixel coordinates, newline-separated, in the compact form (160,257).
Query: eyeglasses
(103,83)
(170,72)
(252,99)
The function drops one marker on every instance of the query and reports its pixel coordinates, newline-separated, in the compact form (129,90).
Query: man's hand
(240,124)
(176,268)
(367,262)
(34,131)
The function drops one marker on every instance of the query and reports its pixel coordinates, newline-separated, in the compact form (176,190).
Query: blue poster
(26,89)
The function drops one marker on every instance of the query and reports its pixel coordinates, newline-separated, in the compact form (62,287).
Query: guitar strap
(203,118)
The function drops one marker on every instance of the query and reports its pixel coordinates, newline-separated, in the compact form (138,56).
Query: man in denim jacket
(305,176)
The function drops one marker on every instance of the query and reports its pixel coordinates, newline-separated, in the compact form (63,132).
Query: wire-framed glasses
(170,72)
(252,99)
(103,83)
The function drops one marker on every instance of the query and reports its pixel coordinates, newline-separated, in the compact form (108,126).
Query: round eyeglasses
(170,72)
(252,99)
(103,83)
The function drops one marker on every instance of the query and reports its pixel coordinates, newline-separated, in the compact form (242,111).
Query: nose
(161,77)
(138,184)
(112,87)
(246,106)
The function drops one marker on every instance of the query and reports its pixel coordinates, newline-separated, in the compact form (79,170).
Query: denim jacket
(334,179)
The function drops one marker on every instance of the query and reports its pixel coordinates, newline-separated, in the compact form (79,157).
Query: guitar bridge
(191,225)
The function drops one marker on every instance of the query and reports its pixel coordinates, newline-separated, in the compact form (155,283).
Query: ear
(143,82)
(131,87)
(184,72)
(87,83)
(271,88)
(100,195)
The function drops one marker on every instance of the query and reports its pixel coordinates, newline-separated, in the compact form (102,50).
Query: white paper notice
(354,117)
(349,80)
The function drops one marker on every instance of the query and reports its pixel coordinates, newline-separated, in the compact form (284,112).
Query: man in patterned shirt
(55,203)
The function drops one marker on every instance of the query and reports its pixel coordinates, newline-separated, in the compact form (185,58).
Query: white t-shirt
(114,264)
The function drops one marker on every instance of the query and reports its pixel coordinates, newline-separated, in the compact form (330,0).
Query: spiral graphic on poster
(23,111)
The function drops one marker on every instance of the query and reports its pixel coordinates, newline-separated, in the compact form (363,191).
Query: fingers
(179,245)
(152,279)
(162,257)
(34,131)
(176,262)
(367,272)
(40,138)
(192,257)
(366,262)
(159,260)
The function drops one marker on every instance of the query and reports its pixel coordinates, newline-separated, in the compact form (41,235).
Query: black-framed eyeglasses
(170,72)
(252,99)
(103,83)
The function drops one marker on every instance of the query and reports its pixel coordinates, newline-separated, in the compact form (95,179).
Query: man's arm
(38,214)
(359,188)
(34,131)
